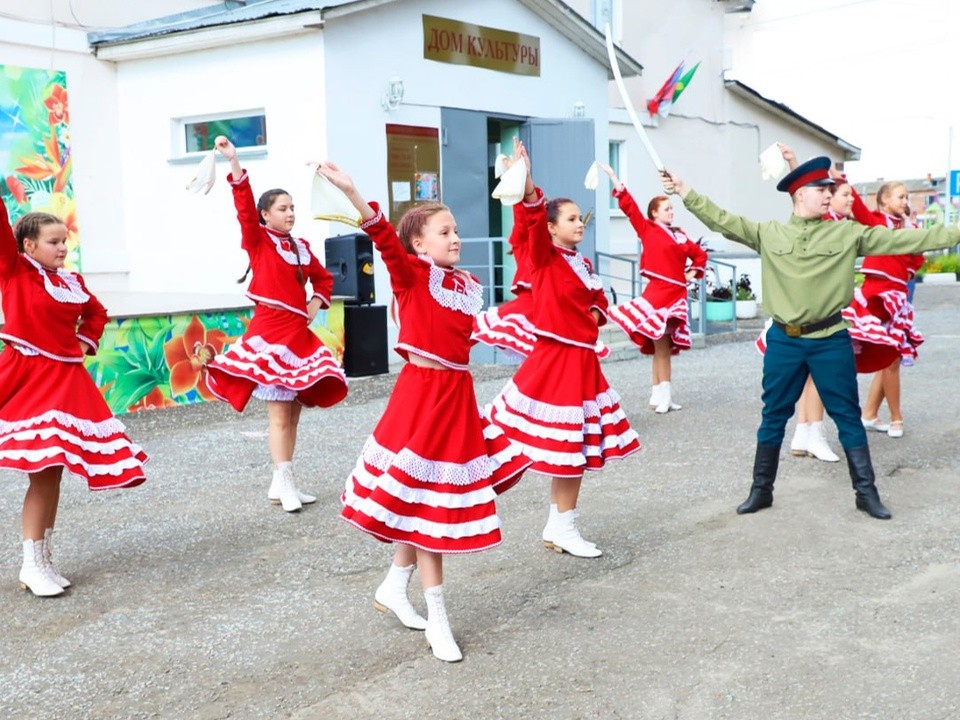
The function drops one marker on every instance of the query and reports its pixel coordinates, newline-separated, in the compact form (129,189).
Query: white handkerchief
(772,164)
(510,191)
(592,179)
(206,174)
(327,202)
(500,165)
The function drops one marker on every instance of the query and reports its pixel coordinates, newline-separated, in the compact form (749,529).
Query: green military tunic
(807,266)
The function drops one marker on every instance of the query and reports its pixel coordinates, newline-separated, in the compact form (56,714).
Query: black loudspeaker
(365,340)
(349,258)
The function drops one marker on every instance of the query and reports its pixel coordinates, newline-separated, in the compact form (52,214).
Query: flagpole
(615,67)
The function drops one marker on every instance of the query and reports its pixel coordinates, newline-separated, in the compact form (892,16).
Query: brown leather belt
(798,330)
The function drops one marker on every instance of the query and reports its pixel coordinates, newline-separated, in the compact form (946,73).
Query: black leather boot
(764,473)
(864,483)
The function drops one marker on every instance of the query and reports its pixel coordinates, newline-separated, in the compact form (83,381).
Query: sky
(884,75)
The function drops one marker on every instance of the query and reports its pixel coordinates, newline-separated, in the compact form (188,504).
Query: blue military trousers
(786,364)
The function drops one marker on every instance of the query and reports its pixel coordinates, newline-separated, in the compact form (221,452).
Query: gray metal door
(561,151)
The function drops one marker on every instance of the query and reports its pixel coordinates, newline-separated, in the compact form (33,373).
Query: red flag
(660,103)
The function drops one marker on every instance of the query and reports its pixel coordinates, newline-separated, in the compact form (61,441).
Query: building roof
(234,12)
(850,152)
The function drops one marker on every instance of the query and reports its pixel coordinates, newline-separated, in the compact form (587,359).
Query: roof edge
(851,152)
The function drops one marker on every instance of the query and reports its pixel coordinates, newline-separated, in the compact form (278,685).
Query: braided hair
(28,226)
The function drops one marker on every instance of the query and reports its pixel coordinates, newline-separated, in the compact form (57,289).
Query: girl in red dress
(559,406)
(657,320)
(278,359)
(881,315)
(52,415)
(508,326)
(428,476)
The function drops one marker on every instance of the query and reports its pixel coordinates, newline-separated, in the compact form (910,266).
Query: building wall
(182,242)
(366,49)
(711,138)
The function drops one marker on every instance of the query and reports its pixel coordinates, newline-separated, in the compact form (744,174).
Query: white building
(316,75)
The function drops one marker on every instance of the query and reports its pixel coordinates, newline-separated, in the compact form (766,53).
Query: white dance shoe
(438,632)
(33,575)
(392,596)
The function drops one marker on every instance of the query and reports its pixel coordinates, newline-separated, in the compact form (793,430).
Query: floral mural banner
(156,362)
(36,167)
(152,362)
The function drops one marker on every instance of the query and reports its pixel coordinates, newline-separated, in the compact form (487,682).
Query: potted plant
(720,304)
(746,299)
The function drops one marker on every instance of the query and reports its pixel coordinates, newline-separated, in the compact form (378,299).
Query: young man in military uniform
(807,271)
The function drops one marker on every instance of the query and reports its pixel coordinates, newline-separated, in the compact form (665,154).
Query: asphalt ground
(195,598)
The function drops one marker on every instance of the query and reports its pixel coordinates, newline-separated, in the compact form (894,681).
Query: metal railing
(624,282)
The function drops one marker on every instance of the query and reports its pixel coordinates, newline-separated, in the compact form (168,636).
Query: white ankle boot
(817,444)
(801,438)
(392,596)
(439,636)
(666,402)
(567,538)
(33,575)
(654,396)
(48,559)
(282,489)
(273,494)
(551,528)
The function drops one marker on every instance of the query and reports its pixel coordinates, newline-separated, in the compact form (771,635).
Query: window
(245,130)
(613,160)
(604,12)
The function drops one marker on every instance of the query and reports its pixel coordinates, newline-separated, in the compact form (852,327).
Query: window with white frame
(247,130)
(615,163)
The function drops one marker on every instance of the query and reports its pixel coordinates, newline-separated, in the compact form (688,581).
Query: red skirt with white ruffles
(278,353)
(560,409)
(430,473)
(52,414)
(660,310)
(881,326)
(508,328)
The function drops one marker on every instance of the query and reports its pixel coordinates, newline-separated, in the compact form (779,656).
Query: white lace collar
(285,247)
(66,289)
(454,289)
(578,263)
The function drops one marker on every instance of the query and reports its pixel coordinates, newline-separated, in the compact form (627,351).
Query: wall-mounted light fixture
(579,109)
(393,96)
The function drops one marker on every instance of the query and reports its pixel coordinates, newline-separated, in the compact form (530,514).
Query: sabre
(615,67)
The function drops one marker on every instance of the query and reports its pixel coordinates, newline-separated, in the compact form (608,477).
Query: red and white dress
(278,357)
(662,308)
(880,316)
(429,474)
(559,406)
(508,326)
(51,412)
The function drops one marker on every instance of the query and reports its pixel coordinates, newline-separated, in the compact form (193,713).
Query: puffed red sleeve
(518,235)
(8,244)
(93,318)
(321,281)
(539,243)
(251,231)
(392,252)
(630,208)
(864,215)
(698,257)
(599,300)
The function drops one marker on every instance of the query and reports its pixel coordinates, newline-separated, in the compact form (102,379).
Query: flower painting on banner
(36,166)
